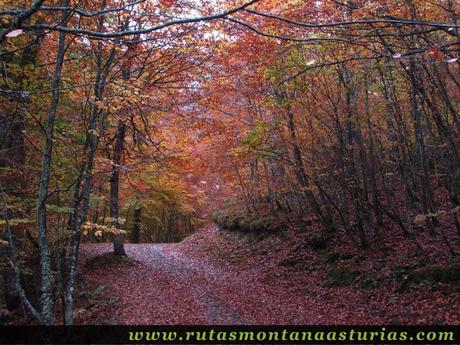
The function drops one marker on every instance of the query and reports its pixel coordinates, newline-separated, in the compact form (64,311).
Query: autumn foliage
(142,121)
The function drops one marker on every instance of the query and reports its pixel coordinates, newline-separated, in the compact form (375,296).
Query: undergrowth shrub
(247,222)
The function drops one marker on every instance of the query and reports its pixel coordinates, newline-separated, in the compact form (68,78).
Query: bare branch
(106,35)
(403,22)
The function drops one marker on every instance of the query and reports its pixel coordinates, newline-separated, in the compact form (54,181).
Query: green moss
(369,283)
(339,277)
(346,256)
(255,225)
(331,257)
(431,278)
(289,262)
(318,242)
(448,274)
(233,223)
(248,223)
(108,259)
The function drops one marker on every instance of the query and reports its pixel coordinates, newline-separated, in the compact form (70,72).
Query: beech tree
(340,113)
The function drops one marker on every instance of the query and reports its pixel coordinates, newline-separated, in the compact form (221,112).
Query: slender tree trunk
(302,178)
(356,164)
(137,225)
(12,156)
(243,190)
(422,159)
(82,193)
(12,253)
(47,298)
(117,239)
(372,166)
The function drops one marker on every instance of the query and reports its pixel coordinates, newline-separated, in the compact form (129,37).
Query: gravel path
(156,286)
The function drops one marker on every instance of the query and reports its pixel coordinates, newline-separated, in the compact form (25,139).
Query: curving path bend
(157,286)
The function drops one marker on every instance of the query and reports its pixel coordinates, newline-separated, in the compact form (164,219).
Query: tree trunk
(137,225)
(83,190)
(118,248)
(13,154)
(9,294)
(324,217)
(47,298)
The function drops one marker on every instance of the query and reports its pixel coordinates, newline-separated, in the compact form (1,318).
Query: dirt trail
(156,287)
(214,278)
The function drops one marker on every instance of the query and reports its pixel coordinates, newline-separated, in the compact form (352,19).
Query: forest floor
(216,277)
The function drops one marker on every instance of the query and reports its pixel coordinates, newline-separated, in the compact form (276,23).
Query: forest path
(158,286)
(213,277)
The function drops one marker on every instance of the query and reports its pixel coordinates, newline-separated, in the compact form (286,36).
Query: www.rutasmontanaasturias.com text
(291,336)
